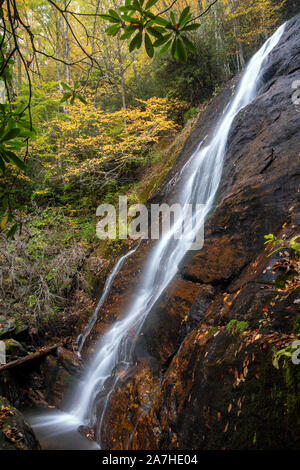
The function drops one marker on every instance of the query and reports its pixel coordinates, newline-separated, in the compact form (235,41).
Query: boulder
(59,373)
(7,327)
(15,432)
(14,349)
(12,328)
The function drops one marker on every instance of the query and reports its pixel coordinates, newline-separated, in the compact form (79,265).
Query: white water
(109,282)
(199,182)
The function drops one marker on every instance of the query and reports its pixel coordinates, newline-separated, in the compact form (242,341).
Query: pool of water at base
(57,430)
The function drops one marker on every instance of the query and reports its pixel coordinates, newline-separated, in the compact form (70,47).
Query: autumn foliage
(89,141)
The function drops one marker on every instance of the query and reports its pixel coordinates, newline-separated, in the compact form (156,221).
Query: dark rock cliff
(204,376)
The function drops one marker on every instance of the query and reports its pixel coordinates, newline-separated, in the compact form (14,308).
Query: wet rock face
(60,374)
(203,376)
(261,173)
(157,340)
(39,383)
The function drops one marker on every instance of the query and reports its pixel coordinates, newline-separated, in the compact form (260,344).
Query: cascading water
(199,182)
(81,339)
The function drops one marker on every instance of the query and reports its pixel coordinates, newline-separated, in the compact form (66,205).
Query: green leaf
(3,154)
(16,144)
(277,249)
(162,40)
(154,32)
(188,44)
(105,17)
(26,125)
(26,133)
(111,19)
(137,5)
(269,237)
(136,41)
(150,4)
(114,14)
(125,9)
(112,30)
(11,123)
(66,97)
(180,51)
(15,160)
(65,86)
(174,48)
(172,16)
(149,14)
(161,21)
(130,19)
(166,47)
(20,108)
(160,29)
(11,134)
(191,27)
(12,231)
(76,85)
(149,46)
(2,164)
(295,246)
(81,98)
(184,16)
(128,31)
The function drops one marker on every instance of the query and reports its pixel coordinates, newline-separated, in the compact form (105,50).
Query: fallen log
(30,357)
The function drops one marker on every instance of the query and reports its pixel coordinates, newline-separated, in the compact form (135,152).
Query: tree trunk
(94,26)
(122,82)
(57,25)
(19,65)
(66,48)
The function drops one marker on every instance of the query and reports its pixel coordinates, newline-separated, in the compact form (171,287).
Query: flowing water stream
(198,184)
(81,339)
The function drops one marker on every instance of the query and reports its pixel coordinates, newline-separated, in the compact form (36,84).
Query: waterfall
(198,184)
(81,339)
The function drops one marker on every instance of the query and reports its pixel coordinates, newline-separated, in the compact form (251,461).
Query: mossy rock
(15,432)
(7,327)
(14,349)
(12,328)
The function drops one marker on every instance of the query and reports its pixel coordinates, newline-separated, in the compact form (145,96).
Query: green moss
(67,379)
(212,331)
(19,327)
(235,326)
(13,346)
(190,114)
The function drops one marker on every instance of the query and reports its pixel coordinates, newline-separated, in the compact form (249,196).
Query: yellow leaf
(4,222)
